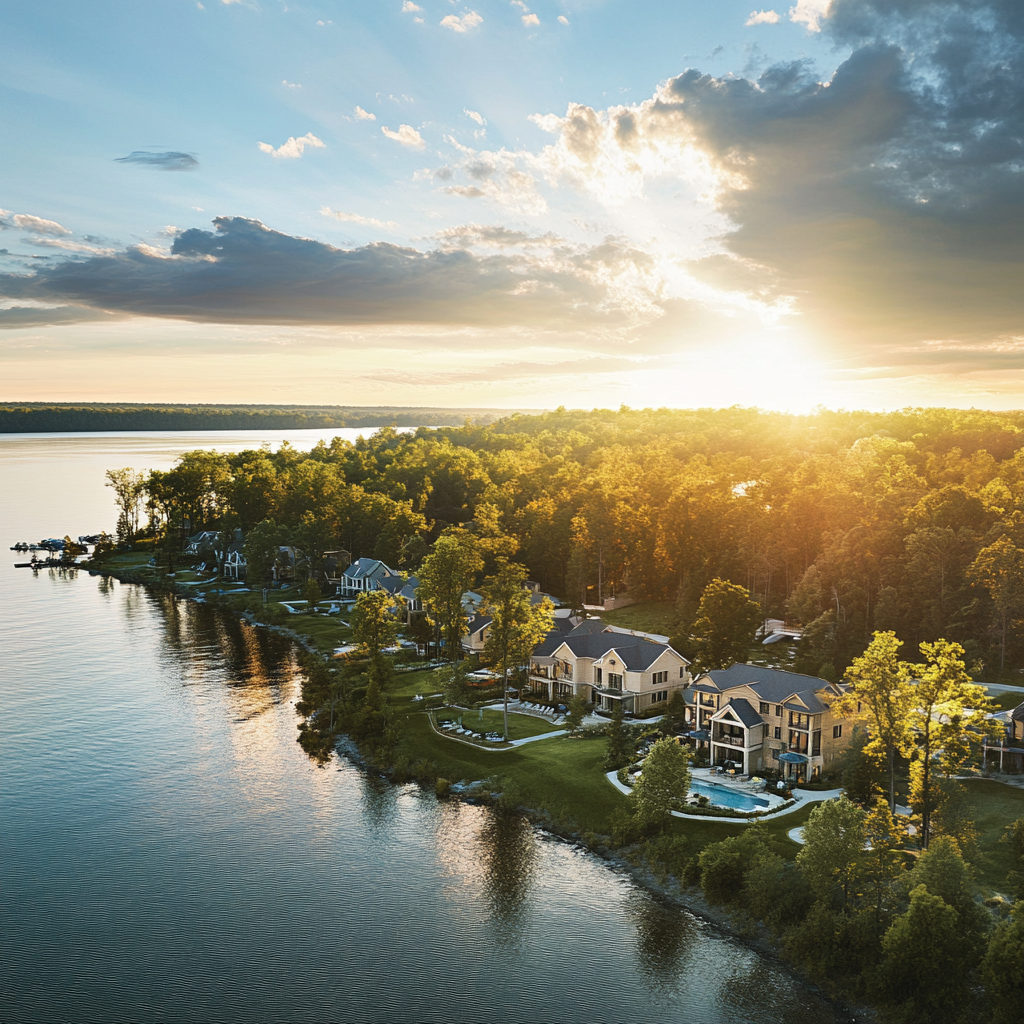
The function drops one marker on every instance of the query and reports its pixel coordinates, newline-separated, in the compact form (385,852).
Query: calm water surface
(168,852)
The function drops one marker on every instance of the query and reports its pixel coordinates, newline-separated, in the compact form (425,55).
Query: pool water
(723,797)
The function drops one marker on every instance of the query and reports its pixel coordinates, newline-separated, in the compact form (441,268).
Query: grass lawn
(1006,701)
(490,720)
(995,806)
(326,631)
(648,617)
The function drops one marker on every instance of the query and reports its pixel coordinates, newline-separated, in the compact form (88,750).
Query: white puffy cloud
(563,19)
(530,19)
(810,13)
(293,148)
(355,218)
(470,19)
(406,135)
(364,115)
(290,85)
(37,225)
(472,114)
(762,18)
(408,7)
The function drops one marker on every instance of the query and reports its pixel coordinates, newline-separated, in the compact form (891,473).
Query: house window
(682,671)
(778,732)
(659,696)
(658,677)
(816,743)
(798,742)
(764,708)
(778,710)
(614,681)
(598,675)
(837,732)
(799,721)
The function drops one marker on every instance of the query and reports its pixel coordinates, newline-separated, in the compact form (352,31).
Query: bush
(442,787)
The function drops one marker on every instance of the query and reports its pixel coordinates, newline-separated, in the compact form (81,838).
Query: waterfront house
(1009,747)
(757,719)
(203,543)
(364,575)
(607,666)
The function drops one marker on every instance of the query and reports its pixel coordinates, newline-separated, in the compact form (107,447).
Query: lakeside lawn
(647,617)
(994,805)
(491,720)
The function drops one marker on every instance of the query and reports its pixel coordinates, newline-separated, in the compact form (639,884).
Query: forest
(39,417)
(842,522)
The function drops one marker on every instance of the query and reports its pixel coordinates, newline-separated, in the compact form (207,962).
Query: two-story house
(766,719)
(607,666)
(1010,745)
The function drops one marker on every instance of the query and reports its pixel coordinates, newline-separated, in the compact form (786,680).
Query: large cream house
(762,719)
(606,665)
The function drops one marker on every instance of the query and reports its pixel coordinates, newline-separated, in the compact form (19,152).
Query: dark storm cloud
(244,272)
(169,161)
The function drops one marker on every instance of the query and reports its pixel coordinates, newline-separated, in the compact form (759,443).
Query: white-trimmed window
(659,696)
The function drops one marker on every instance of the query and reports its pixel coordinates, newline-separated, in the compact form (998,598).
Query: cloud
(882,206)
(290,85)
(406,135)
(468,20)
(364,115)
(18,317)
(810,13)
(169,161)
(496,175)
(244,272)
(355,218)
(37,225)
(530,19)
(408,7)
(293,148)
(763,18)
(479,118)
(493,235)
(469,191)
(563,19)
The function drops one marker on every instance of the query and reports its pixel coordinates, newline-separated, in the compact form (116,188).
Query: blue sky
(512,204)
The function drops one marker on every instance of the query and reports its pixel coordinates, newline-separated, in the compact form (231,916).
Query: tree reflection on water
(664,935)
(509,860)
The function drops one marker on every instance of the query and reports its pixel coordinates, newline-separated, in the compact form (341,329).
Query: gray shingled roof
(635,652)
(744,712)
(771,685)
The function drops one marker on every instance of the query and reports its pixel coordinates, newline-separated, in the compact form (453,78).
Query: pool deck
(801,797)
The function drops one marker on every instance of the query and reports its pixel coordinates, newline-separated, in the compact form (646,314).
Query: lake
(169,853)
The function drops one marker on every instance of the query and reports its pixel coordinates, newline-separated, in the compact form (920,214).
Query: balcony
(732,741)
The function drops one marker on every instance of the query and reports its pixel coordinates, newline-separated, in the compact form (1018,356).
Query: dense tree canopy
(848,522)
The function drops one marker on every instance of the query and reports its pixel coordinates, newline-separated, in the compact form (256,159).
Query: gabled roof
(772,685)
(367,567)
(1017,714)
(478,622)
(636,653)
(741,708)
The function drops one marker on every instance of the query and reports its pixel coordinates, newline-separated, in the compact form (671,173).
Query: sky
(513,205)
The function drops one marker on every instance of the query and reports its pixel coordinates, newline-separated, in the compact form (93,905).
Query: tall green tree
(999,568)
(1002,970)
(833,841)
(374,624)
(882,865)
(947,711)
(620,740)
(129,487)
(726,622)
(664,783)
(261,549)
(517,624)
(923,977)
(444,577)
(880,692)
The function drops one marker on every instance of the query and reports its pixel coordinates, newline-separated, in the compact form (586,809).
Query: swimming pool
(723,797)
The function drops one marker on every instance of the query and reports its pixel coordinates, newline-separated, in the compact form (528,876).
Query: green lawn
(648,617)
(490,720)
(995,806)
(326,631)
(1006,701)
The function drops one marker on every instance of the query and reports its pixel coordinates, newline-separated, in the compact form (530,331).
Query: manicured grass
(1006,701)
(326,631)
(648,617)
(490,720)
(995,806)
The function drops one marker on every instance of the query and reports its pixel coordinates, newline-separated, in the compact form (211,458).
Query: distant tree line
(38,418)
(910,522)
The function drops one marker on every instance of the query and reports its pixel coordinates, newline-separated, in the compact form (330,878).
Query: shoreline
(754,935)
